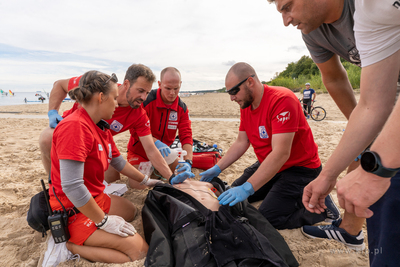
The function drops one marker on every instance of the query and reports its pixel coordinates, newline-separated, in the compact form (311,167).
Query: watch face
(368,162)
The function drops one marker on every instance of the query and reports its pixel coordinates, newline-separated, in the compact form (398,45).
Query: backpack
(204,155)
(38,213)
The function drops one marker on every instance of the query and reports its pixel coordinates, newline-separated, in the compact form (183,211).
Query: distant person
(25,100)
(272,121)
(82,150)
(128,115)
(308,97)
(168,115)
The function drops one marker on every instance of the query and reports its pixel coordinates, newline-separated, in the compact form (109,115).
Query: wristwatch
(190,162)
(371,162)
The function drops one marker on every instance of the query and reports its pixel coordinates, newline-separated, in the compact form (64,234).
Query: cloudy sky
(42,41)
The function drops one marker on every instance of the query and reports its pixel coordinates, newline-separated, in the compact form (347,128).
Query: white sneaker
(55,253)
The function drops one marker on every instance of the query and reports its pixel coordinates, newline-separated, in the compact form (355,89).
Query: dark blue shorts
(384,228)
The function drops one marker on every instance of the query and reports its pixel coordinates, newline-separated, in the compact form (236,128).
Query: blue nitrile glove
(54,118)
(236,194)
(164,149)
(185,168)
(209,174)
(181,177)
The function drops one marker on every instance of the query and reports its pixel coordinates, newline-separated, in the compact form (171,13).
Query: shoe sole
(350,246)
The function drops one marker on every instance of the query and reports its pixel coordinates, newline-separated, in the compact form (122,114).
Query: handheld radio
(58,220)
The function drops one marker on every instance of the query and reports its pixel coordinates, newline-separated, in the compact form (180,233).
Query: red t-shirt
(165,121)
(280,112)
(124,118)
(78,138)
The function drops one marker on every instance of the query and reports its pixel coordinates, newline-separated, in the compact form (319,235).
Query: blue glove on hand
(164,149)
(185,168)
(236,194)
(54,118)
(209,174)
(180,178)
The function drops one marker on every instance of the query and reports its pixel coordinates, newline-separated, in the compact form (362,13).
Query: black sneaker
(332,211)
(332,231)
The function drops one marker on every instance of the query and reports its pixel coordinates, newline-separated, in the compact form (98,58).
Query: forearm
(92,211)
(189,149)
(158,162)
(237,149)
(58,93)
(132,173)
(268,169)
(335,79)
(367,118)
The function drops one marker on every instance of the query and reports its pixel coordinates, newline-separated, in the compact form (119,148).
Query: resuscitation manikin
(182,232)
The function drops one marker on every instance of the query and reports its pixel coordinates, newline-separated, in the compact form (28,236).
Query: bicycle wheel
(318,113)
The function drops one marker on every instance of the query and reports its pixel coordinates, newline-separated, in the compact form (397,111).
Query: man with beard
(129,114)
(272,121)
(168,116)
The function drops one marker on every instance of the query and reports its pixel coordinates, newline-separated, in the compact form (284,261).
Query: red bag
(205,160)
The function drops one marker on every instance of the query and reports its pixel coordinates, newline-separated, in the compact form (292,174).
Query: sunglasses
(112,77)
(234,90)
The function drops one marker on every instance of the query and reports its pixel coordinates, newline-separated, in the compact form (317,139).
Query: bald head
(241,71)
(171,72)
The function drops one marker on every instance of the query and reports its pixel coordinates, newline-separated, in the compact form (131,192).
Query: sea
(19,98)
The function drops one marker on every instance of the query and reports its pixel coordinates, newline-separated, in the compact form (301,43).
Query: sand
(21,171)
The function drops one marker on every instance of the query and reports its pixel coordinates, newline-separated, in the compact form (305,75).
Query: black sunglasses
(112,77)
(234,90)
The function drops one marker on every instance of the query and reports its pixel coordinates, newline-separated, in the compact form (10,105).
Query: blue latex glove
(236,194)
(180,178)
(209,174)
(164,149)
(185,168)
(54,118)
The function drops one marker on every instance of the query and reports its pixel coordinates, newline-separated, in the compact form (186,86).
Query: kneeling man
(272,121)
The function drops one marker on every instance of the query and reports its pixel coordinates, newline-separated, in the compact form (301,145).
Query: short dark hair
(139,70)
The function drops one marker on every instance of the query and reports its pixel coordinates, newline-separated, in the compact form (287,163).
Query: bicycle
(317,113)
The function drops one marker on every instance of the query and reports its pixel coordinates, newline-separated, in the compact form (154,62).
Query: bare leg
(111,175)
(45,140)
(122,207)
(350,222)
(105,247)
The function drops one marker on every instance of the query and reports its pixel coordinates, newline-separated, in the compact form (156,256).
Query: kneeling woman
(82,151)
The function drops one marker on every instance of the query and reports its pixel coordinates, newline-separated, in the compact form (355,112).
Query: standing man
(128,115)
(327,28)
(168,114)
(272,121)
(308,93)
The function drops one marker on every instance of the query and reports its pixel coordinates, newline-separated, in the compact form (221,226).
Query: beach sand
(21,171)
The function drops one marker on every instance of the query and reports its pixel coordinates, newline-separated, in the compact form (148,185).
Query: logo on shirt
(173,116)
(147,124)
(171,127)
(116,126)
(263,132)
(100,148)
(284,116)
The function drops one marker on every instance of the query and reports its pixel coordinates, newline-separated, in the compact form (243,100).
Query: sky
(42,41)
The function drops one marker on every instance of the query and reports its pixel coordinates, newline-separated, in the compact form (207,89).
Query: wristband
(145,179)
(190,162)
(100,224)
(170,178)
